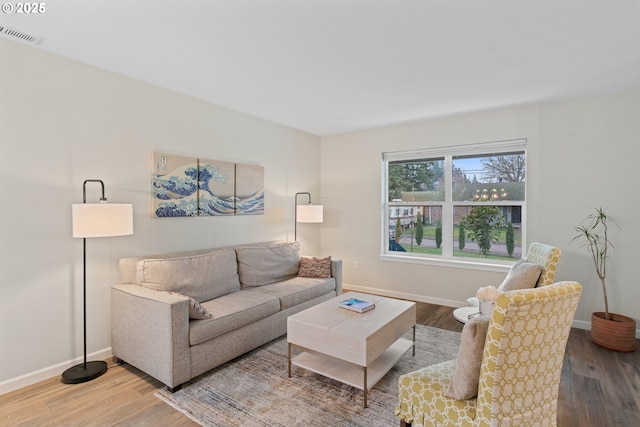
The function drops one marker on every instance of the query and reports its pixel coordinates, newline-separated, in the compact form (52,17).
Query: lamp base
(84,372)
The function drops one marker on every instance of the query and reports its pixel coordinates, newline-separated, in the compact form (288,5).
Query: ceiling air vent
(19,35)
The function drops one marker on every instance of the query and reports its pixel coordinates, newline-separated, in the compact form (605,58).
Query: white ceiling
(332,66)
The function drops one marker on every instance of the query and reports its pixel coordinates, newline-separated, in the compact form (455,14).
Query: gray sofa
(249,290)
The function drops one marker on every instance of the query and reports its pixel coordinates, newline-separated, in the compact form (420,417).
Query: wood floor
(598,388)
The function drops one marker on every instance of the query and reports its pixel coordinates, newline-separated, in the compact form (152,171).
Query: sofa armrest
(336,273)
(150,330)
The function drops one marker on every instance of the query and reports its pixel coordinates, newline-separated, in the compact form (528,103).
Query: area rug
(254,389)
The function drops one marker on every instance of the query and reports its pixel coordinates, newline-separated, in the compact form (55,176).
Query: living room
(64,121)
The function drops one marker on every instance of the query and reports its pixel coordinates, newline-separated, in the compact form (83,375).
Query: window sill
(497,266)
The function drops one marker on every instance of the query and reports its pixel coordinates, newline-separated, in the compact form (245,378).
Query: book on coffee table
(357,305)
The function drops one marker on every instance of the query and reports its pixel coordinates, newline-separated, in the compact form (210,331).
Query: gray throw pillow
(523,275)
(465,380)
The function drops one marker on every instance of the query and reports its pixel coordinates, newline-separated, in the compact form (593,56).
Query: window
(464,203)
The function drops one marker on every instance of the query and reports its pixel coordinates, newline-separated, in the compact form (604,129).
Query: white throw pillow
(523,275)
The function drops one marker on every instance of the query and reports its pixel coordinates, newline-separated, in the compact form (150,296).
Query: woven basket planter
(618,333)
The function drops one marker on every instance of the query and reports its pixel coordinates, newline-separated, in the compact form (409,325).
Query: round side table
(462,314)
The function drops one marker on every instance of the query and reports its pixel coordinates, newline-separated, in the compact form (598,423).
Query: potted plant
(608,330)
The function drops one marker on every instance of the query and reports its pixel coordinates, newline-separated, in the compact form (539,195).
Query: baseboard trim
(578,324)
(403,295)
(581,324)
(49,372)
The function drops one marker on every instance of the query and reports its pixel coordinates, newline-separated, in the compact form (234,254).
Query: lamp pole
(86,371)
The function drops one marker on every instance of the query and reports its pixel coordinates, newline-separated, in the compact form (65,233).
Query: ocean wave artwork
(252,205)
(187,186)
(216,184)
(249,194)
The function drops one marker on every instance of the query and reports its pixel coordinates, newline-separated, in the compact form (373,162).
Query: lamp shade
(309,213)
(102,219)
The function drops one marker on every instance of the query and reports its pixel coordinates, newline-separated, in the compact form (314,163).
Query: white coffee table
(355,348)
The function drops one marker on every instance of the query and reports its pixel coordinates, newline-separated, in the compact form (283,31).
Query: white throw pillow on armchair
(523,275)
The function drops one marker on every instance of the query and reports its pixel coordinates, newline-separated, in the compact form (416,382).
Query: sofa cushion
(259,266)
(465,380)
(201,277)
(523,275)
(315,267)
(297,290)
(232,311)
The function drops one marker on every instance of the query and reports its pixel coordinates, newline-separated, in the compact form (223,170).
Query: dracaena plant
(593,231)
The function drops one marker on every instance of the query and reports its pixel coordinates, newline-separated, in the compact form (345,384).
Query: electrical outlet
(356,265)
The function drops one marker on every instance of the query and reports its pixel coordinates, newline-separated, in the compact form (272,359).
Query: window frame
(448,153)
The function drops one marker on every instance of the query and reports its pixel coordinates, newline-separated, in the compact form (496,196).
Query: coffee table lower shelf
(351,373)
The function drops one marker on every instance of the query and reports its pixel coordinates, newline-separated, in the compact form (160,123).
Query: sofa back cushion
(201,277)
(263,265)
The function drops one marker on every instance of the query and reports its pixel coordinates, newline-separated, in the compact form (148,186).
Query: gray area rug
(254,389)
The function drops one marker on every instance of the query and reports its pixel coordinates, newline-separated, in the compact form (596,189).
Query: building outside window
(463,204)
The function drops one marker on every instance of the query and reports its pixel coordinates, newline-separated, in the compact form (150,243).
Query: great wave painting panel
(216,184)
(188,186)
(174,186)
(249,190)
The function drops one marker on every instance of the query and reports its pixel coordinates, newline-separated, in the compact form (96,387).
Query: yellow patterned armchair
(545,256)
(520,370)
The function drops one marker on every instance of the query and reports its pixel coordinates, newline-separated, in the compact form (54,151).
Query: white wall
(61,123)
(581,154)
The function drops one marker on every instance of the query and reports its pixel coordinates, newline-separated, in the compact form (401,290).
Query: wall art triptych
(189,186)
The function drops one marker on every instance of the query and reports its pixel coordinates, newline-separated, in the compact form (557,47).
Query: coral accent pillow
(523,275)
(315,267)
(465,380)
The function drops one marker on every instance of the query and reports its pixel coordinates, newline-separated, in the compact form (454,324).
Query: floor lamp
(95,220)
(306,213)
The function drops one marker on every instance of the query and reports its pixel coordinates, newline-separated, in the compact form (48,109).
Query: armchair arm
(150,330)
(336,273)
